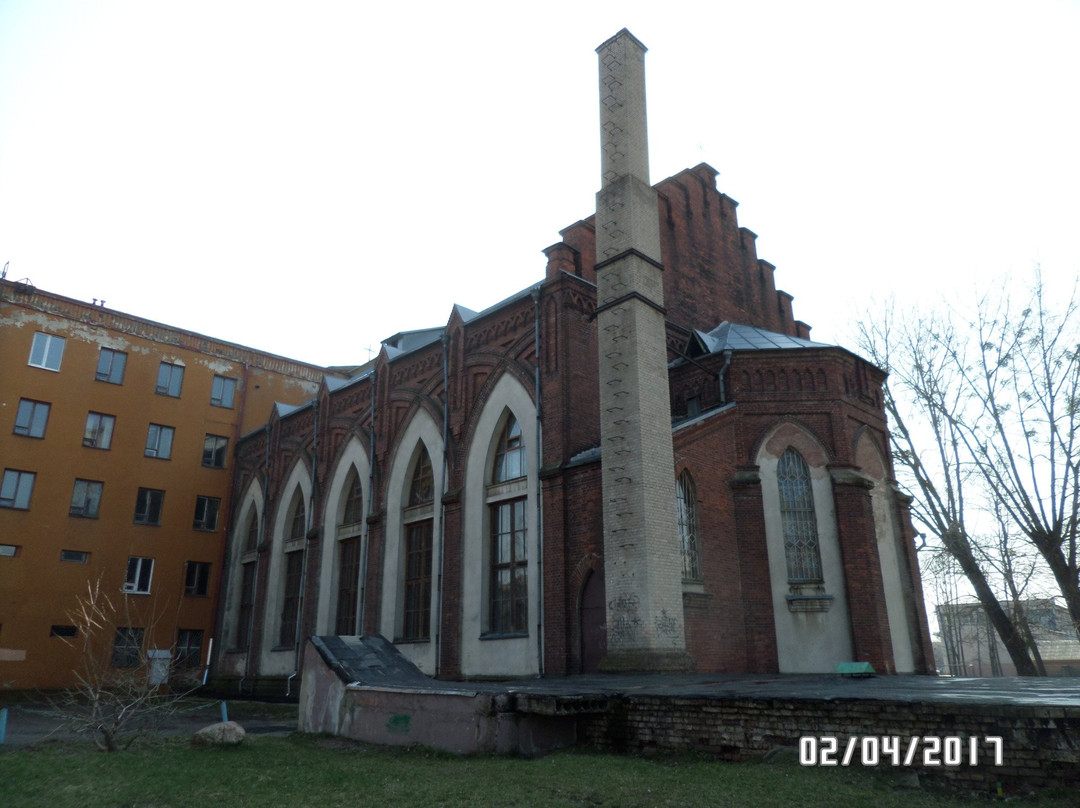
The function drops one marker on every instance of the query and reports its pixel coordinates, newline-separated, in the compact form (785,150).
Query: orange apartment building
(117,437)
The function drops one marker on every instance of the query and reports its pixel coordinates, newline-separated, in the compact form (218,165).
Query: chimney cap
(624,32)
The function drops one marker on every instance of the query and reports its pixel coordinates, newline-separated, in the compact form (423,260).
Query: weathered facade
(117,437)
(465,494)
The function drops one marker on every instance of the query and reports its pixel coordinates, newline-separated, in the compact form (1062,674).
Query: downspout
(720,378)
(442,499)
(310,519)
(367,513)
(260,538)
(539,501)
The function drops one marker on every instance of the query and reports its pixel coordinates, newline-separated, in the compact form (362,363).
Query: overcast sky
(310,178)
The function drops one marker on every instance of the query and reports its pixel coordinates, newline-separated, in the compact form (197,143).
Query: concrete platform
(354,687)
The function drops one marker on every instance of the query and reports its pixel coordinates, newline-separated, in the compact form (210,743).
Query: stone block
(223,733)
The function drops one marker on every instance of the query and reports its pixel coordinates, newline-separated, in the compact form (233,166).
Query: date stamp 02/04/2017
(893,750)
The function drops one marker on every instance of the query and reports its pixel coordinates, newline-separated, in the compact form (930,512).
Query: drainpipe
(442,503)
(366,540)
(310,519)
(720,378)
(539,501)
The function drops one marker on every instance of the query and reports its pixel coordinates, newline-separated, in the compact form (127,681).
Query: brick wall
(1040,745)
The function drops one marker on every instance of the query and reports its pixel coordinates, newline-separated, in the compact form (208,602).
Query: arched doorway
(593,623)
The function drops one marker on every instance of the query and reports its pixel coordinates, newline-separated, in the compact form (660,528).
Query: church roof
(734,337)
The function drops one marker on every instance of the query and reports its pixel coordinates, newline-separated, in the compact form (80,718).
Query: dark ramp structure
(364,688)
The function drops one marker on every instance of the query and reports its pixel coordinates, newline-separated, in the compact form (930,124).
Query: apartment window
(47,351)
(9,550)
(188,648)
(148,504)
(223,391)
(64,632)
(31,417)
(16,489)
(139,572)
(74,556)
(206,512)
(197,578)
(86,499)
(213,453)
(110,366)
(99,430)
(127,647)
(170,378)
(159,441)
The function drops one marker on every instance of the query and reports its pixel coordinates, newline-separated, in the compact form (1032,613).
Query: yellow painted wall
(37,589)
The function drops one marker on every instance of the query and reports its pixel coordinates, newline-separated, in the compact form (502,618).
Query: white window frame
(46,350)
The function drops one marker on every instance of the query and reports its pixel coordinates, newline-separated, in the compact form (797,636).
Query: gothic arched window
(348,567)
(686,501)
(509,560)
(247,581)
(294,570)
(251,538)
(419,519)
(799,519)
(354,500)
(509,453)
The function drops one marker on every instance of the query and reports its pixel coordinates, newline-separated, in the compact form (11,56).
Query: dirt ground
(31,721)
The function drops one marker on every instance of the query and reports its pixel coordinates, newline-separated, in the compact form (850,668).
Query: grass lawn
(305,770)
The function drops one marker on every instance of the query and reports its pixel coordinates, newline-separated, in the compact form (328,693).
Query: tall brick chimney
(642,554)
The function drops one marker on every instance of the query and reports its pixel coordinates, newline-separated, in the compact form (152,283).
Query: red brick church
(641,462)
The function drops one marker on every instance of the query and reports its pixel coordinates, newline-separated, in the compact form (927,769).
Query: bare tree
(1000,400)
(120,694)
(920,356)
(1023,434)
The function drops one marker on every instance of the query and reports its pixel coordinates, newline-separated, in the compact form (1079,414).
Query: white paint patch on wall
(807,642)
